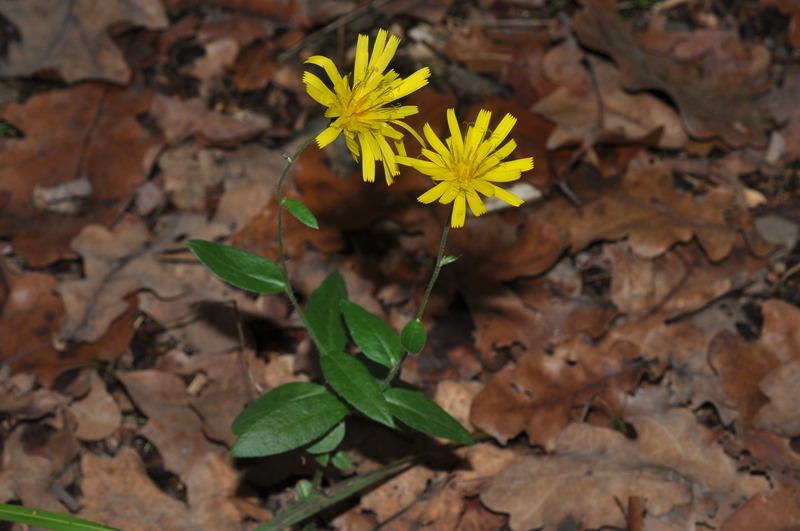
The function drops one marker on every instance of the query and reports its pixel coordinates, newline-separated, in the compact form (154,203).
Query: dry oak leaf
(777,509)
(72,37)
(97,414)
(710,74)
(120,262)
(118,492)
(645,206)
(173,426)
(116,264)
(593,468)
(780,414)
(539,395)
(89,131)
(622,117)
(742,366)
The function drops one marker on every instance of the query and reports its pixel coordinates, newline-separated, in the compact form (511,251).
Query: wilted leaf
(780,414)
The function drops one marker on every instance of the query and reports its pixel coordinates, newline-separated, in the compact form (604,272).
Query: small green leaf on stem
(449,259)
(341,460)
(242,269)
(303,489)
(288,417)
(376,339)
(301,212)
(423,414)
(352,381)
(413,337)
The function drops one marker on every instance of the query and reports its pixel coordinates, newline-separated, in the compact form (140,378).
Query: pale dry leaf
(173,426)
(625,117)
(780,414)
(592,468)
(646,207)
(121,262)
(108,480)
(712,76)
(73,37)
(97,415)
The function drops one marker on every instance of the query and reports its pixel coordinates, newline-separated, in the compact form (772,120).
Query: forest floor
(628,340)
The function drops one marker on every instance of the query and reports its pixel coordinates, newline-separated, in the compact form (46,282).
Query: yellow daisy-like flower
(367,110)
(465,166)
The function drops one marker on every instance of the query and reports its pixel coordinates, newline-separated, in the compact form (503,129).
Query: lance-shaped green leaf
(288,417)
(353,381)
(240,268)
(376,339)
(421,413)
(301,212)
(324,315)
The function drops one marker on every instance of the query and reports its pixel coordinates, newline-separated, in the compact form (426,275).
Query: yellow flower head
(367,110)
(465,166)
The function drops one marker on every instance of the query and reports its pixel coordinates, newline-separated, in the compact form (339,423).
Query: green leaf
(303,489)
(288,417)
(47,519)
(324,315)
(419,412)
(374,337)
(341,460)
(240,268)
(413,337)
(301,212)
(329,442)
(353,381)
(446,260)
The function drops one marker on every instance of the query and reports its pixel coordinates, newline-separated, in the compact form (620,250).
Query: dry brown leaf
(107,480)
(119,263)
(711,75)
(640,285)
(625,117)
(780,414)
(172,426)
(73,38)
(768,510)
(101,139)
(540,394)
(183,119)
(97,415)
(646,207)
(742,365)
(35,456)
(593,468)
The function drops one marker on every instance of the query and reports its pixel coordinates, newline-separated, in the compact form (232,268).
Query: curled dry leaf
(73,38)
(593,468)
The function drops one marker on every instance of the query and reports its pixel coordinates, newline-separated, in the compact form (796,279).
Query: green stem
(289,292)
(404,354)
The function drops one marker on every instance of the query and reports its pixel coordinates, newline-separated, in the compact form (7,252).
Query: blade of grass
(47,519)
(319,501)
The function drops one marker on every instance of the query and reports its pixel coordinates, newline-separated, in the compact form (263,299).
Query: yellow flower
(367,110)
(466,166)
